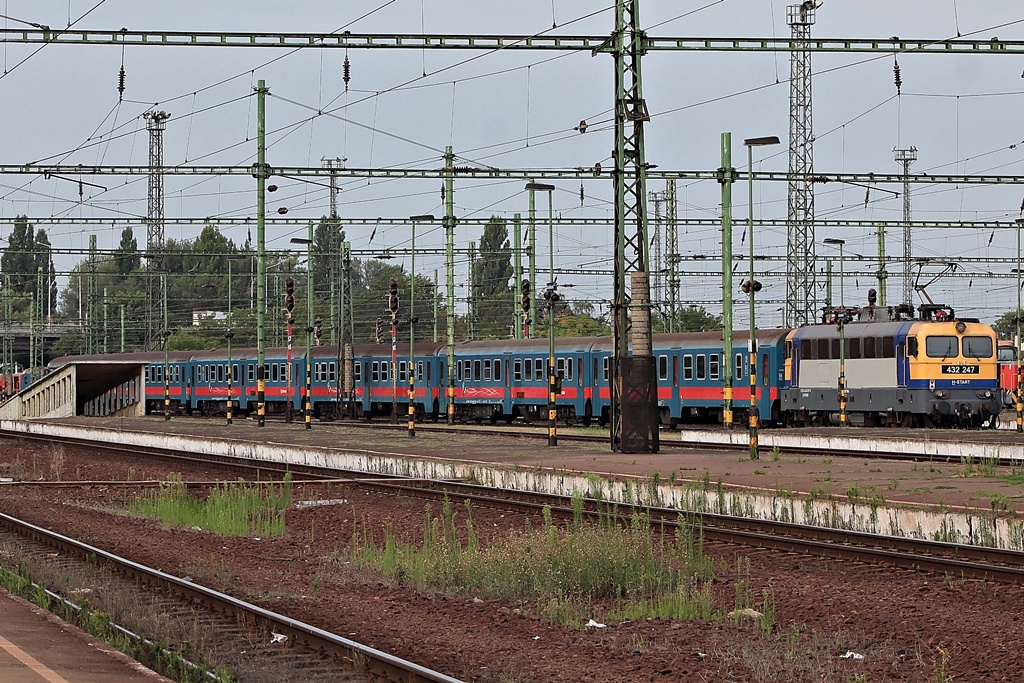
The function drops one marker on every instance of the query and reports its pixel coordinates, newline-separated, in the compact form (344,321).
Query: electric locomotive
(933,371)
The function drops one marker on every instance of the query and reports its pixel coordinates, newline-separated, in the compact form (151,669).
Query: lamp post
(841,321)
(413,319)
(1016,342)
(228,335)
(551,294)
(167,353)
(753,286)
(307,404)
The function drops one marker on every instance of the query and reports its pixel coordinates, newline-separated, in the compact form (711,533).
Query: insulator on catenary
(346,72)
(120,84)
(896,76)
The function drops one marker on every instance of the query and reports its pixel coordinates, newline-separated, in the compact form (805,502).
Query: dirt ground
(908,626)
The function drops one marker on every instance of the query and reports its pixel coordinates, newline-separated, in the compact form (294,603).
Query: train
(936,370)
(1007,356)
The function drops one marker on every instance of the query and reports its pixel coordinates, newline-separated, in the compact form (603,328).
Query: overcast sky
(516,109)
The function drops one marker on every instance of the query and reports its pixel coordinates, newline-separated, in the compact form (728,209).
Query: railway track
(676,440)
(953,559)
(379,665)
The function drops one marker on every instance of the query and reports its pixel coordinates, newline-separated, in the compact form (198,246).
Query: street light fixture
(841,321)
(551,294)
(753,286)
(307,405)
(423,218)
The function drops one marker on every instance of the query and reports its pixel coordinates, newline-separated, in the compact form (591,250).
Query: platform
(37,646)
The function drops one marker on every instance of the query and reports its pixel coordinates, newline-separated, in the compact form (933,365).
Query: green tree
(491,297)
(692,319)
(128,258)
(18,265)
(1006,324)
(44,264)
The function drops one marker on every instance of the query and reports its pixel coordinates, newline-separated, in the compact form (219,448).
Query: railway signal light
(525,299)
(551,292)
(393,297)
(378,332)
(749,285)
(289,296)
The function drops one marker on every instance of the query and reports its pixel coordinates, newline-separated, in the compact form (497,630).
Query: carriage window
(713,362)
(458,370)
(764,369)
(823,349)
(419,371)
(357,371)
(220,373)
(701,367)
(942,347)
(739,366)
(560,368)
(568,369)
(662,367)
(888,347)
(977,347)
(529,369)
(869,347)
(539,370)
(675,369)
(428,370)
(853,348)
(604,367)
(517,370)
(332,371)
(497,369)
(251,372)
(274,372)
(487,370)
(476,371)
(687,367)
(403,370)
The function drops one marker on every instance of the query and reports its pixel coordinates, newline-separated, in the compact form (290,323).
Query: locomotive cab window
(1007,354)
(977,347)
(942,346)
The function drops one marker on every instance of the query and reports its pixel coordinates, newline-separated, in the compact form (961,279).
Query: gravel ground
(908,626)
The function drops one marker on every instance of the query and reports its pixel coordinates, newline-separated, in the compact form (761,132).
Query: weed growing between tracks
(612,569)
(232,509)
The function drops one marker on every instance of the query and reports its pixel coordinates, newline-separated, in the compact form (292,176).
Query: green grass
(231,509)
(614,568)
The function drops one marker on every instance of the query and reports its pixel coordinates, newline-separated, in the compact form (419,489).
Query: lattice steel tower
(800,248)
(155,124)
(906,157)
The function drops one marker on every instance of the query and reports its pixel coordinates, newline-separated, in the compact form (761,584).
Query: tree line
(194,277)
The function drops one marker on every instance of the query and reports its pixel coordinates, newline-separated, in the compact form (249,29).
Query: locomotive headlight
(985,394)
(941,394)
(960,327)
